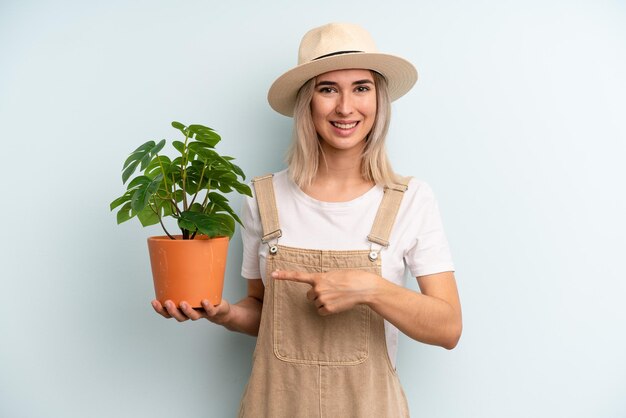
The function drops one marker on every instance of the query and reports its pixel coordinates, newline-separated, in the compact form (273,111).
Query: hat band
(335,53)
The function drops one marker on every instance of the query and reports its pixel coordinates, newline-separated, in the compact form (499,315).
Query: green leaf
(159,160)
(242,188)
(125,213)
(204,151)
(158,147)
(238,170)
(128,171)
(219,174)
(159,164)
(143,194)
(228,176)
(142,155)
(224,188)
(167,207)
(211,140)
(196,207)
(205,134)
(197,127)
(139,152)
(122,199)
(180,146)
(185,223)
(182,128)
(226,208)
(225,181)
(216,197)
(151,153)
(192,181)
(178,195)
(145,161)
(213,225)
(147,216)
(138,182)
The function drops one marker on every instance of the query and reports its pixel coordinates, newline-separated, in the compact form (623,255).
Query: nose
(344,105)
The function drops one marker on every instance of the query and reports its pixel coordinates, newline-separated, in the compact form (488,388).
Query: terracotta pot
(188,270)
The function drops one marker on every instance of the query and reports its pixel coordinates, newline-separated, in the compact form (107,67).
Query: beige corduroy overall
(307,365)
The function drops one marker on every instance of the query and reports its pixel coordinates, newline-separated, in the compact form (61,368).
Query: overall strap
(266,200)
(387,211)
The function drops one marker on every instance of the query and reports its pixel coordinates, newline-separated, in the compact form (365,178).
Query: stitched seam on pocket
(362,353)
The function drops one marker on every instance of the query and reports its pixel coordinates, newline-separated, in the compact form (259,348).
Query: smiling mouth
(344,125)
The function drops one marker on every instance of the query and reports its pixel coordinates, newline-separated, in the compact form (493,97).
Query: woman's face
(343,108)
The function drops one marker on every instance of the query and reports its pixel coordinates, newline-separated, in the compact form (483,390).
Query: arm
(244,316)
(431,317)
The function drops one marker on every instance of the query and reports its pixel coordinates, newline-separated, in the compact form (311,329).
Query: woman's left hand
(334,291)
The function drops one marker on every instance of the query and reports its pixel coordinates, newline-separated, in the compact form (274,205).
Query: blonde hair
(304,153)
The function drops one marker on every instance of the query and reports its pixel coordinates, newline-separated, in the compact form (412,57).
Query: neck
(338,177)
(342,171)
(339,165)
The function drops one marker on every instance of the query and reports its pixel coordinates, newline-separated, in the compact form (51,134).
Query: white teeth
(344,125)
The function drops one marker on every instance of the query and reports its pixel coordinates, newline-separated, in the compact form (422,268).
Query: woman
(327,241)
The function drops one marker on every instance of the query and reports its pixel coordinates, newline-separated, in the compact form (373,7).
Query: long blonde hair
(304,153)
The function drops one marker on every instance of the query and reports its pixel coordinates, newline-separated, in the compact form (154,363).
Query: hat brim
(400,74)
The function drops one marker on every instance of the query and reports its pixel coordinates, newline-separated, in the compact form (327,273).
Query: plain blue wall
(517,122)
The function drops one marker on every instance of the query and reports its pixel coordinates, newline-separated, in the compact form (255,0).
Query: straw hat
(339,46)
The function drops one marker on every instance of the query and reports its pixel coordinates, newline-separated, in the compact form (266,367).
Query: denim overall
(307,365)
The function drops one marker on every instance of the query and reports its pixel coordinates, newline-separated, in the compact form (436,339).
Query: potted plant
(190,188)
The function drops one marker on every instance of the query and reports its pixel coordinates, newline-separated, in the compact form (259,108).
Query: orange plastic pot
(188,270)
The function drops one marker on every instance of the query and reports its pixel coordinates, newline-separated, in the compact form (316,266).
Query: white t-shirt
(417,240)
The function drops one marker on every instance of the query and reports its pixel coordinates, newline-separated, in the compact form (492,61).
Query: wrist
(376,289)
(227,319)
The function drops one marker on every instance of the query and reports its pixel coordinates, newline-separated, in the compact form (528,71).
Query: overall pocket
(301,335)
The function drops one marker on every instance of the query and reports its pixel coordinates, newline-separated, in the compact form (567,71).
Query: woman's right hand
(217,314)
(243,316)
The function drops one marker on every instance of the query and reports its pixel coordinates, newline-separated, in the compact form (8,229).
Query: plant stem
(199,184)
(162,171)
(206,200)
(209,210)
(166,188)
(174,194)
(173,203)
(194,199)
(158,214)
(183,166)
(163,226)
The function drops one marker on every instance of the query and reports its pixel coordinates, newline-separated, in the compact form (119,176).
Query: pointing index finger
(294,276)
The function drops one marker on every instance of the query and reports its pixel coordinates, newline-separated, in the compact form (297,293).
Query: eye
(362,89)
(326,90)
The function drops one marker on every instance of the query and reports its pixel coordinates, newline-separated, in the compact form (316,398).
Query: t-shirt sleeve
(429,252)
(251,236)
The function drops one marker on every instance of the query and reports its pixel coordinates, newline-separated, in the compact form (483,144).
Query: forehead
(349,75)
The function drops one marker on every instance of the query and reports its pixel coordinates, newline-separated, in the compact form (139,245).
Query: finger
(210,309)
(217,314)
(311,294)
(323,311)
(323,306)
(294,276)
(190,312)
(156,305)
(174,311)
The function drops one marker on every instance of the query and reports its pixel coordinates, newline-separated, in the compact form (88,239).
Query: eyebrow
(355,83)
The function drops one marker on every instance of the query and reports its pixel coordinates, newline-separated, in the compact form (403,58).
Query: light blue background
(517,122)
